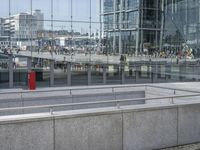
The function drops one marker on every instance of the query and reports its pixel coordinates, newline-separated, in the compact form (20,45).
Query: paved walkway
(93,58)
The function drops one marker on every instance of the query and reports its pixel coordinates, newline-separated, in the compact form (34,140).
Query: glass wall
(120,26)
(182,26)
(108,6)
(132,4)
(49,29)
(137,41)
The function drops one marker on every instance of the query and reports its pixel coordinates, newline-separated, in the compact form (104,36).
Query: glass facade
(135,23)
(159,40)
(150,26)
(120,25)
(153,26)
(182,18)
(50,27)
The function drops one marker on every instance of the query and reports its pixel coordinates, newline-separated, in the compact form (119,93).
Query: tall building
(3,38)
(1,27)
(39,16)
(131,26)
(182,24)
(20,29)
(24,26)
(138,26)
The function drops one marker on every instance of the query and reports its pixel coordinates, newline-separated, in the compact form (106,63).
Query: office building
(131,26)
(182,18)
(24,26)
(148,26)
(1,27)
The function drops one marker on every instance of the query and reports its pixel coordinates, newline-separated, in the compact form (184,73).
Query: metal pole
(162,24)
(186,19)
(71,24)
(31,26)
(69,74)
(89,73)
(104,74)
(52,32)
(90,18)
(137,31)
(51,72)
(198,27)
(10,61)
(114,28)
(9,24)
(155,72)
(141,25)
(157,11)
(10,57)
(29,64)
(100,20)
(90,26)
(122,73)
(120,27)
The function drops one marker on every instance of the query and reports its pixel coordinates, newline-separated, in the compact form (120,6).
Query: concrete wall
(102,132)
(189,124)
(139,127)
(150,129)
(36,135)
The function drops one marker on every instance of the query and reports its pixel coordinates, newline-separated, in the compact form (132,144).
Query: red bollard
(32,80)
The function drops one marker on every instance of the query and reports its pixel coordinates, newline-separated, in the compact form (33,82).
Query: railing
(70,93)
(112,88)
(73,89)
(117,103)
(173,89)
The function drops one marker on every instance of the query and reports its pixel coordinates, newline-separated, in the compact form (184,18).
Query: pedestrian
(121,58)
(124,58)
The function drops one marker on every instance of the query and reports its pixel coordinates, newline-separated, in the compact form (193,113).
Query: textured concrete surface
(27,136)
(150,129)
(89,133)
(133,127)
(136,127)
(185,147)
(189,124)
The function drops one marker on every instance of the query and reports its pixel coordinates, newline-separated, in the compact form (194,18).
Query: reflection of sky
(62,11)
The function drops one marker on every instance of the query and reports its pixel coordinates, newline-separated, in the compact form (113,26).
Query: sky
(61,11)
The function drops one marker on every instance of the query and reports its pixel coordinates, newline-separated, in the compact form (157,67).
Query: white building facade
(22,27)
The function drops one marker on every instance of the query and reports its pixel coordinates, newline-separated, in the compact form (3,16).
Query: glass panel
(160,40)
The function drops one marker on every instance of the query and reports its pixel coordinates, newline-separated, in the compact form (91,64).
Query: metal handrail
(173,89)
(51,107)
(92,88)
(73,89)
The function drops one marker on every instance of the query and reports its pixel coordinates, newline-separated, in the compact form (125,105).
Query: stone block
(89,133)
(189,124)
(27,136)
(147,130)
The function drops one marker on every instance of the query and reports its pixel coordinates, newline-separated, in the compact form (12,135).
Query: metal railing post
(70,91)
(145,87)
(22,102)
(172,100)
(51,110)
(114,94)
(118,105)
